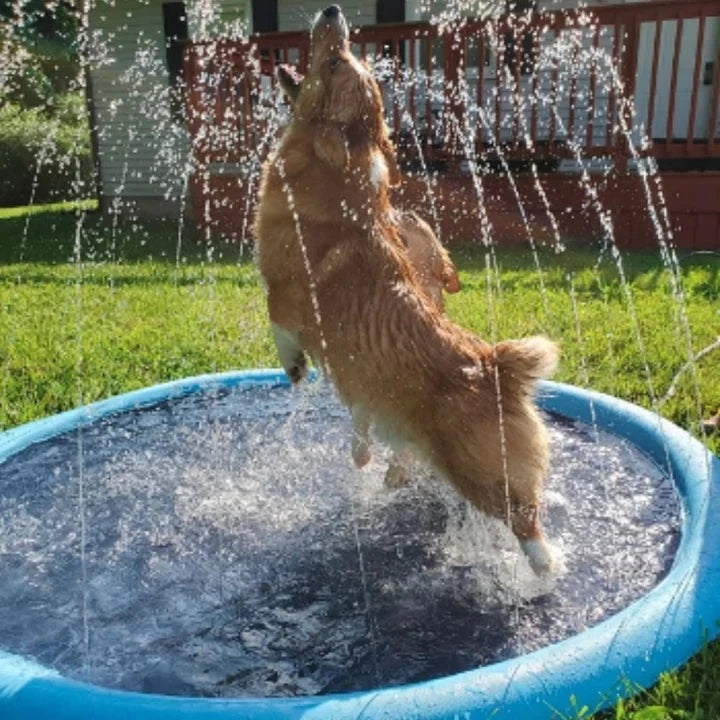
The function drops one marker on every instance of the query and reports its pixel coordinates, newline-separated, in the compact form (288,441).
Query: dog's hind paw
(397,476)
(540,555)
(299,369)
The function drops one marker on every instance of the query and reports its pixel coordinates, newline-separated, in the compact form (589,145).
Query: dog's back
(431,261)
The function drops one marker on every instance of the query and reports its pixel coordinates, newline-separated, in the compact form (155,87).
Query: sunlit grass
(59,207)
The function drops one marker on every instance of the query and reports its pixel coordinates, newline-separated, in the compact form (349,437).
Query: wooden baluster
(610,136)
(629,72)
(499,69)
(396,90)
(592,88)
(696,82)
(654,74)
(673,84)
(534,83)
(427,141)
(480,90)
(714,102)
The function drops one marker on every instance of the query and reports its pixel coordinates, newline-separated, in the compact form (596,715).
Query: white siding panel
(684,81)
(140,146)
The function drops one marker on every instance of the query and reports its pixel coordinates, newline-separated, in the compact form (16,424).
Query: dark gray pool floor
(224,545)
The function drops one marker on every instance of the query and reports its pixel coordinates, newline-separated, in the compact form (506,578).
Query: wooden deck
(612,89)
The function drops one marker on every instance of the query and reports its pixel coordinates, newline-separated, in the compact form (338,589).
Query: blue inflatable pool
(656,633)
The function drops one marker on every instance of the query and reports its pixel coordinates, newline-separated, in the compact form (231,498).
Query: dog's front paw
(299,368)
(360,453)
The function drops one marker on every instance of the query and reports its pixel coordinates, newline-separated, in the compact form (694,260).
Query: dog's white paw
(540,555)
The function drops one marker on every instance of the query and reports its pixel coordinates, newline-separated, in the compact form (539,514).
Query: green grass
(59,207)
(88,310)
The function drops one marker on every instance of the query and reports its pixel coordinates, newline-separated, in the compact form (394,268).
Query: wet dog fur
(434,271)
(430,260)
(341,288)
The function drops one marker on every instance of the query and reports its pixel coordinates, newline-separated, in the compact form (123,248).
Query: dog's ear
(331,147)
(290,81)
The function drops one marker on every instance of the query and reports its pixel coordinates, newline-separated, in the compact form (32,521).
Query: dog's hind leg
(399,472)
(292,356)
(525,523)
(361,436)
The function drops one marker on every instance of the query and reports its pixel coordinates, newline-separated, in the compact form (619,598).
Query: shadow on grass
(56,238)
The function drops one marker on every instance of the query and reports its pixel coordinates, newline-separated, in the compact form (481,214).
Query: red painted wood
(592,90)
(653,76)
(690,135)
(673,82)
(712,147)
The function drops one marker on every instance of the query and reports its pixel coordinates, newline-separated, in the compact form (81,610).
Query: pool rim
(595,666)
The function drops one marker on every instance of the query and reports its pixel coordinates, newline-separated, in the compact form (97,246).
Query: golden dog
(433,269)
(340,286)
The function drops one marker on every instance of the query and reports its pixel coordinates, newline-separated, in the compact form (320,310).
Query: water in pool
(224,545)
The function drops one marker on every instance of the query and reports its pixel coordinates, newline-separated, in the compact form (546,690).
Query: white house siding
(218,18)
(685,73)
(140,146)
(143,152)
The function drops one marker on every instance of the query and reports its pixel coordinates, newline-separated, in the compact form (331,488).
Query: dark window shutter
(389,11)
(175,26)
(265,16)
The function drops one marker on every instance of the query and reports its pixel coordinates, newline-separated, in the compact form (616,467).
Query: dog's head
(339,95)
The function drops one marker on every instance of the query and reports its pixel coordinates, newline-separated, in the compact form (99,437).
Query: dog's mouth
(330,25)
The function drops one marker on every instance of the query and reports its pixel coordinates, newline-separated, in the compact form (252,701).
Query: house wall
(143,151)
(128,78)
(296,14)
(685,73)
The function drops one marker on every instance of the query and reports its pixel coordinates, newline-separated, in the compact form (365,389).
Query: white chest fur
(378,169)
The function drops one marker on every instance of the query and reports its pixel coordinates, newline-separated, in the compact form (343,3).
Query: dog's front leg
(292,356)
(361,437)
(399,472)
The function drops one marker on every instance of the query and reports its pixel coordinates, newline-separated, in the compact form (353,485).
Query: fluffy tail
(529,359)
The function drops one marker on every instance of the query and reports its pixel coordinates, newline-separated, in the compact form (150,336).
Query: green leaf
(652,712)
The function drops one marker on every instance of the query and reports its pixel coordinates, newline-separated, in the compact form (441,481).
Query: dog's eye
(334,62)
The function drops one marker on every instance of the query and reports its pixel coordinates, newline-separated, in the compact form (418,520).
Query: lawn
(91,309)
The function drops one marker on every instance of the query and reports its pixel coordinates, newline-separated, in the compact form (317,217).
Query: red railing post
(453,44)
(628,75)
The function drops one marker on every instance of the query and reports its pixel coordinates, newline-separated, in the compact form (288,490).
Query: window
(176,33)
(391,11)
(526,38)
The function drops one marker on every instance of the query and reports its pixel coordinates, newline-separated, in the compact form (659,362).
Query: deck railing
(613,82)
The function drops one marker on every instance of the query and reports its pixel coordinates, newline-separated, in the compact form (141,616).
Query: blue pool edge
(656,633)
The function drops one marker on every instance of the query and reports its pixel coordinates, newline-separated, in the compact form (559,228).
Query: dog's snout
(332,11)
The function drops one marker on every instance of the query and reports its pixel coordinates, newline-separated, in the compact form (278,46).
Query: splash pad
(656,631)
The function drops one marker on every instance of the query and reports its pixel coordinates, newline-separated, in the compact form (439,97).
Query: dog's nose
(332,11)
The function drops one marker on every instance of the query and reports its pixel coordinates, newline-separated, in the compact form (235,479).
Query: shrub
(45,153)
